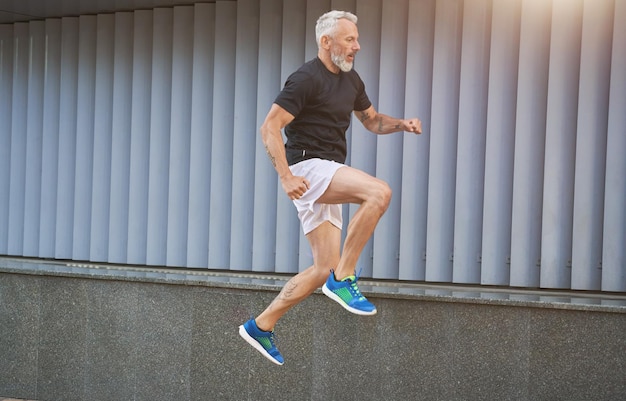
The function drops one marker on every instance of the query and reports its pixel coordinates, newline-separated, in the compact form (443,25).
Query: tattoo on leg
(285,294)
(287,291)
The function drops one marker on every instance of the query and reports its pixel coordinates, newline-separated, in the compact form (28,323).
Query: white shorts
(320,173)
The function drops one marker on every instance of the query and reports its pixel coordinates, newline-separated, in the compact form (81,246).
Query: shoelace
(273,338)
(354,289)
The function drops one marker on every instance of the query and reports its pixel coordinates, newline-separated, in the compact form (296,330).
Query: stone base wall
(89,334)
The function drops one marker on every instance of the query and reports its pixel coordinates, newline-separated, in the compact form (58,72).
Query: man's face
(344,45)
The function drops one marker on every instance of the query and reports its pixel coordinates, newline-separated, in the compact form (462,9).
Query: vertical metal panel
(103,104)
(84,136)
(496,232)
(140,137)
(21,48)
(364,144)
(614,251)
(121,137)
(443,145)
(595,67)
(388,160)
(414,203)
(50,138)
(34,127)
(222,141)
(180,137)
(273,209)
(530,129)
(266,254)
(244,134)
(6,89)
(68,106)
(558,189)
(160,117)
(470,167)
(200,141)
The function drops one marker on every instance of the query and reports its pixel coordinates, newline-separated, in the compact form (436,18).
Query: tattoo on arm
(363,115)
(380,124)
(271,156)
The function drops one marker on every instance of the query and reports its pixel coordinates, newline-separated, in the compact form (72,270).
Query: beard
(340,61)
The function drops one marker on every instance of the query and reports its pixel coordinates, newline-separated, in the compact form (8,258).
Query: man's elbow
(267,130)
(371,126)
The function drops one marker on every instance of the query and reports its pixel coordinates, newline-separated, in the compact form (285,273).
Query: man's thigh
(325,241)
(351,185)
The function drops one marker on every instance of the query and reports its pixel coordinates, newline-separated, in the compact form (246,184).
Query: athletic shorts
(320,173)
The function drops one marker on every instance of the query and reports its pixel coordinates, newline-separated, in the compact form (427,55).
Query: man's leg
(325,243)
(350,185)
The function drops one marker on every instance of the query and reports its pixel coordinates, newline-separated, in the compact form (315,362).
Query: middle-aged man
(315,108)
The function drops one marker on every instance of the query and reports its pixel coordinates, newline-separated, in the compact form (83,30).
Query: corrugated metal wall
(133,138)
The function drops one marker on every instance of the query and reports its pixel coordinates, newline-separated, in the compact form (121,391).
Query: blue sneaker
(346,293)
(263,341)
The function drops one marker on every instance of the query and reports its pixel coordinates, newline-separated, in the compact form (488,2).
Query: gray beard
(341,62)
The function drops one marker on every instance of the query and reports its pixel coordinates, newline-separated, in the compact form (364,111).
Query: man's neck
(328,63)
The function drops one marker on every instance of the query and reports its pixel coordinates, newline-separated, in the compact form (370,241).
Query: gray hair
(327,23)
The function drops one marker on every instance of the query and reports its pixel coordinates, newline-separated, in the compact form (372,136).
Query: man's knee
(382,196)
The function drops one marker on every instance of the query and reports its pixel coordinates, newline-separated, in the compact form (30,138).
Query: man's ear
(325,41)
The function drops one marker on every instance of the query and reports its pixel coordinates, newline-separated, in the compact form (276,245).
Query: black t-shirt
(322,103)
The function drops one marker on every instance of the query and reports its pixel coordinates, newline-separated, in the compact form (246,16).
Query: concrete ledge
(571,300)
(94,332)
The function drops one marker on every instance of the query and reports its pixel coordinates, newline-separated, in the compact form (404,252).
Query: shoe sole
(347,307)
(250,340)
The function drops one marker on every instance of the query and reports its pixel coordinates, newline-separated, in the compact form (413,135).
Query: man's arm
(379,123)
(277,119)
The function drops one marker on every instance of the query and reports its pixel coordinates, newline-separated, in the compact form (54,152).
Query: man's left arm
(379,123)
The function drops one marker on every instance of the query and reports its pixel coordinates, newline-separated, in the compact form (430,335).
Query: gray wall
(115,335)
(132,138)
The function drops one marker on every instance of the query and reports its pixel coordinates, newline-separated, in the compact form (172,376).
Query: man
(314,108)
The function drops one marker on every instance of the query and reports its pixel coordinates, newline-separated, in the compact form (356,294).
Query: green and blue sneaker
(262,341)
(346,293)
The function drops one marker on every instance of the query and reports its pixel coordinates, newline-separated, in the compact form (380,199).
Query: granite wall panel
(159,338)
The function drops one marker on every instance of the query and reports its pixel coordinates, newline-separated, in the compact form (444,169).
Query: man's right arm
(277,119)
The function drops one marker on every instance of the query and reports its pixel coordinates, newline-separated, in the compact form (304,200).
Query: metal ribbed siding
(499,144)
(6,102)
(140,137)
(121,125)
(133,138)
(614,229)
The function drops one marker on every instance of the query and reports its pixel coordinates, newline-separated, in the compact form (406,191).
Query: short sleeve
(362,101)
(294,95)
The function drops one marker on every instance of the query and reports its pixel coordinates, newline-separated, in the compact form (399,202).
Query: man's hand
(295,186)
(412,125)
